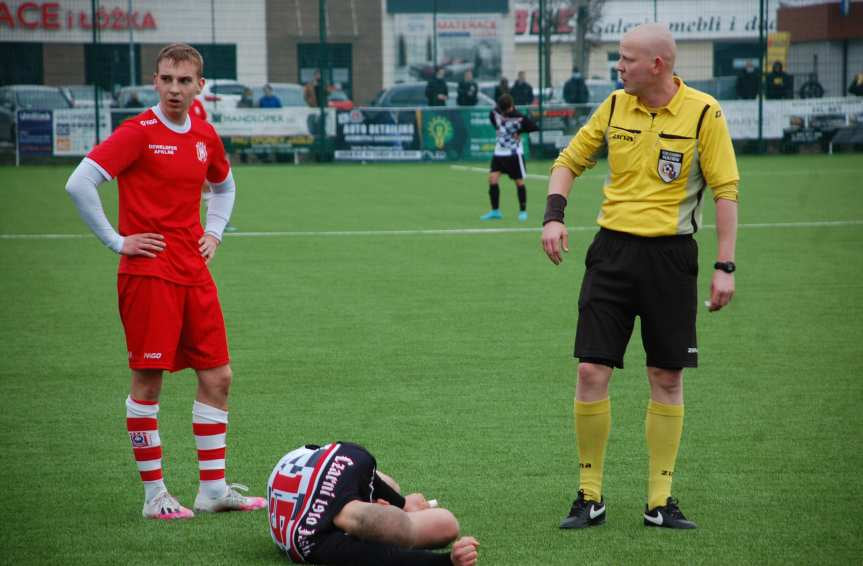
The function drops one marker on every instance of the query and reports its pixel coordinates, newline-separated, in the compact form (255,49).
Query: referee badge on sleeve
(669,165)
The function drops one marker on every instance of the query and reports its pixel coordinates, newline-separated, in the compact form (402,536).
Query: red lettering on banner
(563,17)
(28,7)
(50,15)
(520,21)
(5,16)
(118,16)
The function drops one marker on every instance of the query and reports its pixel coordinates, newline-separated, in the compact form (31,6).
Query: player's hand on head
(464,551)
(555,238)
(416,502)
(145,244)
(207,245)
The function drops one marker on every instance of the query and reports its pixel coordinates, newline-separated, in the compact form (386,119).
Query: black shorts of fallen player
(654,279)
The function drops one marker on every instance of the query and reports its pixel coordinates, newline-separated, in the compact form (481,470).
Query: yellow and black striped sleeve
(718,162)
(579,154)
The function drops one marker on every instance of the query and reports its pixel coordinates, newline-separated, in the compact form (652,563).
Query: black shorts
(652,278)
(512,165)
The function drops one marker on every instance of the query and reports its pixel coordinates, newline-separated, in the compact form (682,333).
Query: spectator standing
(467,90)
(436,89)
(856,86)
(522,92)
(779,84)
(269,100)
(312,89)
(748,82)
(501,89)
(246,99)
(575,91)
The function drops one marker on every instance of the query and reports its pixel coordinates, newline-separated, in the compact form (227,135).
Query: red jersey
(160,168)
(197,109)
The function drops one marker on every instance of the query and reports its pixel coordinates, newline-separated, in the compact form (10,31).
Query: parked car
(290,94)
(598,89)
(414,94)
(221,94)
(339,100)
(27,97)
(136,97)
(82,96)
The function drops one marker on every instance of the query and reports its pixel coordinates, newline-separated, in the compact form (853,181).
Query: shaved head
(646,64)
(652,40)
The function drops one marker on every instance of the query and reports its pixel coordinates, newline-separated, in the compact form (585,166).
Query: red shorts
(170,326)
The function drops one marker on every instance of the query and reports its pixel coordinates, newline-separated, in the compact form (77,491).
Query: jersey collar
(674,105)
(157,110)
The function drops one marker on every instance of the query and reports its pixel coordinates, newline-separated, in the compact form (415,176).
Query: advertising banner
(75,130)
(288,121)
(34,132)
(464,41)
(780,115)
(371,134)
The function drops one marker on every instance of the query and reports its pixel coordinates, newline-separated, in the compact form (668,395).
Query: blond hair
(177,52)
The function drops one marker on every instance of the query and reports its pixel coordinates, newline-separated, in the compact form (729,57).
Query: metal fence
(93,62)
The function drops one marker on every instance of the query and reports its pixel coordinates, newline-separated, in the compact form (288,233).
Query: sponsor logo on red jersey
(201,148)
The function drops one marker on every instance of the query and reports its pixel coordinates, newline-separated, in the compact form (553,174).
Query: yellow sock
(663,427)
(592,424)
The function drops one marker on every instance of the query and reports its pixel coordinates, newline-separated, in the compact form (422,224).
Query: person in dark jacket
(436,89)
(779,84)
(575,90)
(467,90)
(522,92)
(501,89)
(748,82)
(856,86)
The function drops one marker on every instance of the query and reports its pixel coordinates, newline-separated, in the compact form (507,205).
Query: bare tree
(572,19)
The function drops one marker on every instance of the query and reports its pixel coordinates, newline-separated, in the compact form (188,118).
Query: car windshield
(41,99)
(146,96)
(85,92)
(230,89)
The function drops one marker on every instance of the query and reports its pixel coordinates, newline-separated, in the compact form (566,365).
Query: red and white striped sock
(142,422)
(210,426)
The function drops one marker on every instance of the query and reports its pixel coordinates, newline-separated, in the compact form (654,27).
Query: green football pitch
(369,303)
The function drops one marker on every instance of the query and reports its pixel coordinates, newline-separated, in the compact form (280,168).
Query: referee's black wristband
(554,206)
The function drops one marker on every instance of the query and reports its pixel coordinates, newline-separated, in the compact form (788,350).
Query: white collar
(157,110)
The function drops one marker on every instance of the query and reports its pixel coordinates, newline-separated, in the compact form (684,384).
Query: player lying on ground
(329,505)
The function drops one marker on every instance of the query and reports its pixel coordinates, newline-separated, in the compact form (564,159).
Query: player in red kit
(168,301)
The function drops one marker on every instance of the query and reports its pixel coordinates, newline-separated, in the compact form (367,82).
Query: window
(21,63)
(220,60)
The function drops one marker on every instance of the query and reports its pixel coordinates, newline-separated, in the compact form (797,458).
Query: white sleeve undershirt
(220,205)
(81,186)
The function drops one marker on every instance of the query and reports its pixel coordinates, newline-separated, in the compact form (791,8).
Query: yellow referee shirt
(660,160)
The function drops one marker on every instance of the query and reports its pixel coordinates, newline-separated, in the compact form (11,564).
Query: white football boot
(165,507)
(231,501)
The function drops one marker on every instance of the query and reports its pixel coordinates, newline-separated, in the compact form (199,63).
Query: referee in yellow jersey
(667,143)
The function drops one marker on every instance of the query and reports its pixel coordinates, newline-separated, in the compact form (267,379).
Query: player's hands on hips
(207,246)
(721,289)
(464,551)
(145,244)
(554,238)
(416,502)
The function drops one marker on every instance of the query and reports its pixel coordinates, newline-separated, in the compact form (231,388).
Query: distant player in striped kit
(508,155)
(168,301)
(330,505)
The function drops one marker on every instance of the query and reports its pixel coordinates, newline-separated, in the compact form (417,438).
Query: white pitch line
(743,175)
(438,232)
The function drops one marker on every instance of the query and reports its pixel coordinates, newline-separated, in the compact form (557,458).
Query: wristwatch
(726,266)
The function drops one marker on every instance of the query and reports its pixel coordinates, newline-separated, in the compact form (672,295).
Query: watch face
(726,266)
